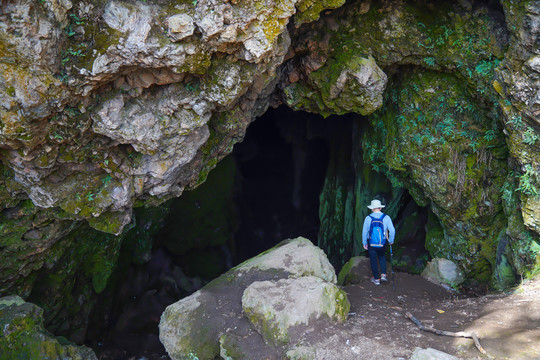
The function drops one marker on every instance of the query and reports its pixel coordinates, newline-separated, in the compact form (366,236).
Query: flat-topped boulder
(210,322)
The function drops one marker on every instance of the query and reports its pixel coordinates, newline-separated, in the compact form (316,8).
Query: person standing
(378,230)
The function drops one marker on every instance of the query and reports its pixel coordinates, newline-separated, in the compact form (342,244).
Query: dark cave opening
(280,173)
(268,190)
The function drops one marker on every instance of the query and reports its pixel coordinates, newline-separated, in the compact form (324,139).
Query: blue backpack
(377,237)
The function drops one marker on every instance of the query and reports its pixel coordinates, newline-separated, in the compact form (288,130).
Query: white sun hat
(375,204)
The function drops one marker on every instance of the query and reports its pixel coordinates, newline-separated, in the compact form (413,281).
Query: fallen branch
(470,335)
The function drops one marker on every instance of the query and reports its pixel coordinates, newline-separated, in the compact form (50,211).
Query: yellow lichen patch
(273,28)
(498,87)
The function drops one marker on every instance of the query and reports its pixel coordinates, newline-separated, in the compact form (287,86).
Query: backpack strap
(374,218)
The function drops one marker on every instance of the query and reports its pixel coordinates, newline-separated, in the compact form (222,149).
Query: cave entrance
(294,174)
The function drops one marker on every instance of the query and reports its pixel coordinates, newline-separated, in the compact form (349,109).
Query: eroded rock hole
(294,174)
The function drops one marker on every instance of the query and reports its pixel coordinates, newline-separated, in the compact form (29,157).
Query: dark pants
(377,254)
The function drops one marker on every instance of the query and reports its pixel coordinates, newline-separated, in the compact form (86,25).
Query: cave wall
(429,78)
(110,105)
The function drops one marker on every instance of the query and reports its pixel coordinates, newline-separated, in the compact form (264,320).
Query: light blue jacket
(387,223)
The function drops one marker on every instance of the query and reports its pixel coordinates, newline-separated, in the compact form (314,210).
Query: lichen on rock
(207,323)
(274,307)
(24,336)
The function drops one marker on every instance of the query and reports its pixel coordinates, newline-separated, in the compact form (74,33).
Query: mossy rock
(274,307)
(309,10)
(193,325)
(354,271)
(23,335)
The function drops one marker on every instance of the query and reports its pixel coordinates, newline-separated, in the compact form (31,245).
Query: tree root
(470,335)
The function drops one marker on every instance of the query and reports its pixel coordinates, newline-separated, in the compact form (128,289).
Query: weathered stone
(298,257)
(180,26)
(443,271)
(431,354)
(302,353)
(24,336)
(274,307)
(353,271)
(231,347)
(194,326)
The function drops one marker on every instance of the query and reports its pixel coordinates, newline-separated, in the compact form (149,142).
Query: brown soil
(508,325)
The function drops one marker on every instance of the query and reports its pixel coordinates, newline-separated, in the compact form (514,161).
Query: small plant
(526,182)
(429,61)
(76,19)
(530,137)
(490,135)
(190,87)
(69,30)
(90,196)
(516,121)
(106,180)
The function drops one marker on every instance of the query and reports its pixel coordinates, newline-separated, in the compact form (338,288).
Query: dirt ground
(508,325)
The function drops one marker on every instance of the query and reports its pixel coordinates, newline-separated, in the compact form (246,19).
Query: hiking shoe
(376,281)
(383,277)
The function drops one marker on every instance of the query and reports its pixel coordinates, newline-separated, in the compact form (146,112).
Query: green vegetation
(527,181)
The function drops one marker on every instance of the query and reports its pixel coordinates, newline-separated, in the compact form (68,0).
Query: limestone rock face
(137,85)
(109,105)
(357,86)
(450,128)
(518,82)
(443,271)
(24,336)
(275,307)
(212,320)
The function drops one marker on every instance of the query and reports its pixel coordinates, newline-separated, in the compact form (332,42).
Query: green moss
(309,10)
(24,337)
(429,119)
(342,306)
(231,348)
(345,271)
(110,222)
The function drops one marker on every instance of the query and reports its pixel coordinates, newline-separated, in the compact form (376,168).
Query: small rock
(431,354)
(180,26)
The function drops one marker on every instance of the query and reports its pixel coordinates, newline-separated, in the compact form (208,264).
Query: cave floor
(508,325)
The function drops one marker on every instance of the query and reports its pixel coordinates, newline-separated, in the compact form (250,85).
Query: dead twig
(470,335)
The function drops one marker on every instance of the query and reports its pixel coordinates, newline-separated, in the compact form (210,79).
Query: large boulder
(211,321)
(23,335)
